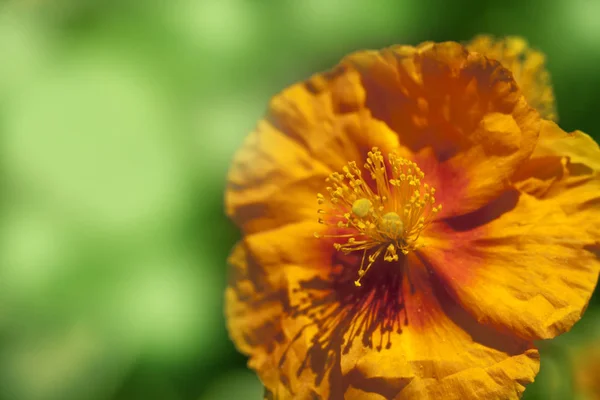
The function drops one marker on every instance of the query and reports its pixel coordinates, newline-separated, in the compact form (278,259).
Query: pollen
(379,211)
(361,207)
(391,225)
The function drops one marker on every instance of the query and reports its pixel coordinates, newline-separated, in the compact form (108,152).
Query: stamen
(387,218)
(361,207)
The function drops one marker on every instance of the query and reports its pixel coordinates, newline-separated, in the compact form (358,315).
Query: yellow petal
(528,67)
(341,346)
(524,265)
(461,114)
(327,115)
(333,340)
(253,308)
(577,146)
(561,161)
(272,181)
(257,300)
(275,176)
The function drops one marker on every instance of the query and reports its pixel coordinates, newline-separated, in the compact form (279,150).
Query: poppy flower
(411,224)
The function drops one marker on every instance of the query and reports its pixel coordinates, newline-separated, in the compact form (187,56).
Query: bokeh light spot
(94,139)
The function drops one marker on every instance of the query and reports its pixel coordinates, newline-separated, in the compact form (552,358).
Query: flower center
(386,219)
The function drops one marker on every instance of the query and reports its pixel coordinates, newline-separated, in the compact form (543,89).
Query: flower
(452,227)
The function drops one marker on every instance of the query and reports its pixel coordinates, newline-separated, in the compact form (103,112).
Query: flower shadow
(340,313)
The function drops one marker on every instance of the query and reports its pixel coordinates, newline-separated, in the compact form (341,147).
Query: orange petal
(461,113)
(524,265)
(257,296)
(272,181)
(327,115)
(528,67)
(276,175)
(560,161)
(577,146)
(397,336)
(403,339)
(254,303)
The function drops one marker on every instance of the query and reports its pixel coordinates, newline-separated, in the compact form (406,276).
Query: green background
(118,120)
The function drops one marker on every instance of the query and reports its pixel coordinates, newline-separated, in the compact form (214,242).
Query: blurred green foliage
(118,120)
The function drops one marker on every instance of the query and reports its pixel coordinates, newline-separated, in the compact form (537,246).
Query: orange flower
(453,227)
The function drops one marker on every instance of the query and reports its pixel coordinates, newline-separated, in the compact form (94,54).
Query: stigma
(382,217)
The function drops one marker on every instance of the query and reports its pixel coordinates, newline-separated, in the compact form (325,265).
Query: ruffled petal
(560,162)
(528,67)
(533,268)
(254,304)
(257,301)
(578,147)
(328,116)
(272,181)
(399,336)
(311,128)
(402,339)
(523,265)
(460,113)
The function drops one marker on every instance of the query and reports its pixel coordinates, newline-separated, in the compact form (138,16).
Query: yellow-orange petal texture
(528,262)
(530,271)
(527,65)
(511,257)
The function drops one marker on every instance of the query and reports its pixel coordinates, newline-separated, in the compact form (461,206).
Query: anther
(361,207)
